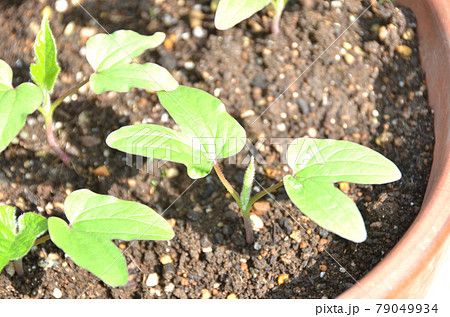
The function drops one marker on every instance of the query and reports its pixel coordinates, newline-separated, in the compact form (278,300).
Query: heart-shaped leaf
(231,12)
(17,235)
(111,57)
(207,132)
(45,71)
(15,105)
(96,219)
(317,164)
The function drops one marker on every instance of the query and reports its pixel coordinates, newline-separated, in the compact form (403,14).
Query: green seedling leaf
(15,105)
(17,235)
(248,183)
(45,71)
(317,164)
(111,55)
(207,132)
(96,219)
(231,12)
(6,76)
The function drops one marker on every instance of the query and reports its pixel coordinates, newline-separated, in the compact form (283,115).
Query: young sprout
(208,133)
(231,12)
(111,58)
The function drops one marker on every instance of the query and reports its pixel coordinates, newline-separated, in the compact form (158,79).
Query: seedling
(231,12)
(111,58)
(93,221)
(208,133)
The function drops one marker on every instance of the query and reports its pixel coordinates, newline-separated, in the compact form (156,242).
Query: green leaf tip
(45,71)
(15,104)
(317,164)
(207,132)
(111,56)
(96,219)
(231,12)
(18,235)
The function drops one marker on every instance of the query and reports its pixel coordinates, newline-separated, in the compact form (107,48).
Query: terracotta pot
(408,270)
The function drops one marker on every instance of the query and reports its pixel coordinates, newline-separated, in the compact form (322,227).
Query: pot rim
(408,270)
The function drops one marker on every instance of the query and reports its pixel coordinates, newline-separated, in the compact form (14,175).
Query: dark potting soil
(363,84)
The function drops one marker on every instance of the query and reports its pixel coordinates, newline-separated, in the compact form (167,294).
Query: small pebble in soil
(404,50)
(169,288)
(206,294)
(232,296)
(282,278)
(166,259)
(349,59)
(189,65)
(257,223)
(383,33)
(172,172)
(57,293)
(408,35)
(342,270)
(199,32)
(344,186)
(257,246)
(61,6)
(152,279)
(70,27)
(261,206)
(102,170)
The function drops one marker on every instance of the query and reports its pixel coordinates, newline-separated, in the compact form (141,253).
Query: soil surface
(327,74)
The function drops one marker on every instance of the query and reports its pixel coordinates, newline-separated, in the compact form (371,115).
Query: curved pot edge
(408,270)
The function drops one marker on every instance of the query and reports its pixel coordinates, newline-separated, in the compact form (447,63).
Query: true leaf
(317,164)
(96,219)
(15,105)
(207,132)
(111,58)
(231,12)
(17,235)
(45,71)
(249,177)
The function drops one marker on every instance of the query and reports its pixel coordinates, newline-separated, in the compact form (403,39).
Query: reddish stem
(51,141)
(18,265)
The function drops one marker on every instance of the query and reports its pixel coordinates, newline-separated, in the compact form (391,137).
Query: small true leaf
(111,55)
(207,132)
(18,235)
(317,164)
(96,219)
(15,105)
(249,177)
(45,71)
(231,12)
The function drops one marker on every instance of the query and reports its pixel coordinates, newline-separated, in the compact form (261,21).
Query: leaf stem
(278,6)
(247,224)
(51,139)
(225,183)
(18,265)
(71,91)
(41,240)
(260,195)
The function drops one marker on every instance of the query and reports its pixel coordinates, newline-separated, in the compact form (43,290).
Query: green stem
(71,91)
(225,183)
(260,195)
(41,240)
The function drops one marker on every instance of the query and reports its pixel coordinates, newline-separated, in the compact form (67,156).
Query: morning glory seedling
(94,220)
(208,133)
(18,235)
(111,57)
(231,12)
